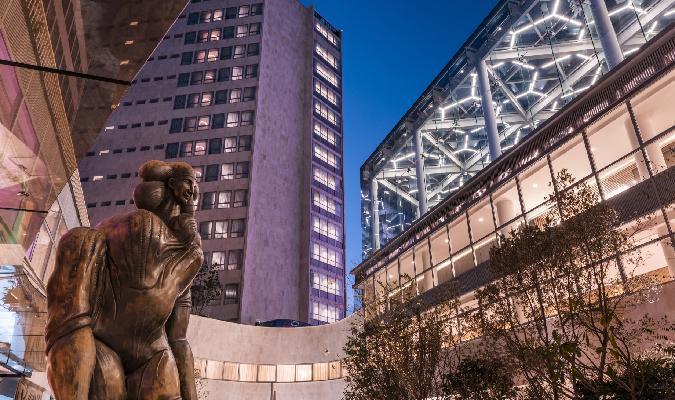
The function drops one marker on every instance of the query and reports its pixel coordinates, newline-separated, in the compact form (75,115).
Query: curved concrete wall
(260,363)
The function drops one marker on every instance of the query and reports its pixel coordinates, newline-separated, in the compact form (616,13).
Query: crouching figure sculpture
(119,298)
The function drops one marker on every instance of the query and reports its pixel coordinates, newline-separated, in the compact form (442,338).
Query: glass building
(528,59)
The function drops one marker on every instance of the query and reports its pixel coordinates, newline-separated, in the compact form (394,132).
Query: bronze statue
(119,298)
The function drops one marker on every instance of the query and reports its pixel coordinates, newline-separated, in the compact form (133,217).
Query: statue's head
(174,182)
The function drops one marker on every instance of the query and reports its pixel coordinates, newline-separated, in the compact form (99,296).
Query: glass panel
(573,158)
(535,185)
(481,221)
(440,246)
(459,234)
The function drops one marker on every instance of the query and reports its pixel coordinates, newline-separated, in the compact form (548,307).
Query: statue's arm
(176,330)
(71,350)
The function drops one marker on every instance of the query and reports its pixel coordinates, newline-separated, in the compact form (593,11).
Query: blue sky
(391,52)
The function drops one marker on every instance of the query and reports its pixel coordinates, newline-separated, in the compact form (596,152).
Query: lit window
(204,122)
(202,36)
(325,178)
(230,145)
(326,34)
(232,119)
(327,75)
(205,16)
(238,228)
(209,76)
(326,255)
(324,202)
(326,156)
(326,228)
(246,118)
(218,261)
(325,283)
(254,29)
(193,100)
(103,152)
(237,73)
(207,99)
(235,96)
(213,55)
(215,34)
(242,30)
(235,260)
(239,51)
(325,92)
(220,229)
(325,133)
(240,198)
(326,56)
(326,113)
(217,15)
(97,178)
(243,11)
(227,171)
(324,312)
(231,293)
(200,148)
(224,199)
(200,56)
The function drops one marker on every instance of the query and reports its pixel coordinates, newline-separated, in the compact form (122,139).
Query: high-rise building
(249,94)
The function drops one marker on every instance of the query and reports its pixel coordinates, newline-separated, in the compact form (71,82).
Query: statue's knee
(108,381)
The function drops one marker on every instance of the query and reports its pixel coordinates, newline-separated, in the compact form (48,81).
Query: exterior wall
(277,220)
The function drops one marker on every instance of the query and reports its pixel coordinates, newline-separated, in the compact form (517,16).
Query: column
(375,215)
(419,172)
(608,39)
(653,151)
(504,211)
(488,111)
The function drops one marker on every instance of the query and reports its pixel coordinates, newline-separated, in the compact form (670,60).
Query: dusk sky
(391,52)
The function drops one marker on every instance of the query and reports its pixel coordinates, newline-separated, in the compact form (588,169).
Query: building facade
(249,94)
(527,59)
(616,138)
(63,64)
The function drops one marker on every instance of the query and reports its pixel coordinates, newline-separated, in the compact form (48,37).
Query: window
(224,199)
(186,58)
(221,96)
(240,197)
(324,313)
(218,261)
(251,71)
(326,228)
(217,15)
(325,133)
(327,57)
(205,16)
(190,37)
(242,170)
(196,78)
(205,230)
(203,36)
(214,35)
(243,11)
(224,74)
(209,76)
(227,171)
(253,49)
(326,34)
(215,145)
(218,121)
(231,13)
(212,55)
(228,32)
(230,145)
(97,178)
(249,93)
(199,171)
(239,51)
(208,200)
(237,73)
(190,124)
(327,75)
(220,229)
(232,119)
(176,125)
(324,202)
(179,102)
(254,29)
(186,149)
(245,143)
(235,260)
(235,96)
(326,156)
(256,9)
(211,173)
(242,31)
(238,228)
(326,255)
(206,99)
(231,294)
(200,56)
(226,53)
(325,283)
(204,122)
(328,114)
(325,178)
(193,18)
(200,148)
(325,92)
(246,118)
